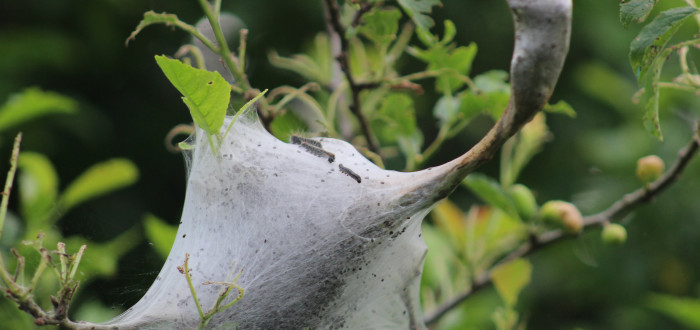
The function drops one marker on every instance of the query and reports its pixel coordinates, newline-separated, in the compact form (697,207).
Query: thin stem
(196,53)
(43,262)
(185,269)
(242,49)
(9,180)
(223,49)
(618,209)
(76,261)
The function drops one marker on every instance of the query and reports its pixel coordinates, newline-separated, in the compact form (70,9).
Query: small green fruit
(562,215)
(614,234)
(524,200)
(650,168)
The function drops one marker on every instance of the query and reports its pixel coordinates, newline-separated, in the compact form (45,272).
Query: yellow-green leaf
(160,234)
(510,279)
(38,185)
(206,93)
(33,103)
(100,179)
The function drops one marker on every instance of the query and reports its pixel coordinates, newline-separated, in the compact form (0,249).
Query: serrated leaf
(653,39)
(32,103)
(100,179)
(635,11)
(510,279)
(397,112)
(151,17)
(419,10)
(561,107)
(160,234)
(38,185)
(650,98)
(206,93)
(491,192)
(380,25)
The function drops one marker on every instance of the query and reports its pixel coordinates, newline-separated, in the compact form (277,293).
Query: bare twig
(618,209)
(344,60)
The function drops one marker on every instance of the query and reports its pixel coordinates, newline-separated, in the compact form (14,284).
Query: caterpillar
(349,173)
(318,152)
(295,139)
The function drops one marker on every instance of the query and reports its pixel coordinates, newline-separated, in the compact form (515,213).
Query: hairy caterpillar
(349,173)
(294,139)
(313,147)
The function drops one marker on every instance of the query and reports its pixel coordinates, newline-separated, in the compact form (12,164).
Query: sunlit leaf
(510,279)
(100,179)
(380,25)
(684,310)
(419,10)
(159,234)
(635,11)
(33,103)
(38,185)
(491,192)
(653,38)
(206,93)
(446,109)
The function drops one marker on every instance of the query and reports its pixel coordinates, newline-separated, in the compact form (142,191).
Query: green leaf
(397,111)
(98,180)
(38,185)
(561,107)
(160,234)
(446,109)
(381,25)
(418,10)
(653,38)
(315,65)
(206,93)
(510,279)
(635,11)
(151,17)
(33,103)
(491,192)
(650,98)
(684,310)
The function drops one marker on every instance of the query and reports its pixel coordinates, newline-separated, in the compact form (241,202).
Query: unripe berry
(562,215)
(650,168)
(614,234)
(524,200)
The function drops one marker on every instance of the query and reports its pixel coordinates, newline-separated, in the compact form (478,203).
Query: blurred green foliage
(123,108)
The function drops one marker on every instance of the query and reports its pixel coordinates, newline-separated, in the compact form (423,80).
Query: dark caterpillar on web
(349,173)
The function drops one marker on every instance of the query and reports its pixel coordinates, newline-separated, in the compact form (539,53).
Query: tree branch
(618,209)
(344,60)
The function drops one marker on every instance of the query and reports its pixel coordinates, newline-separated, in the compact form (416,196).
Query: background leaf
(32,103)
(160,234)
(381,25)
(491,192)
(100,179)
(510,278)
(684,310)
(38,185)
(206,93)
